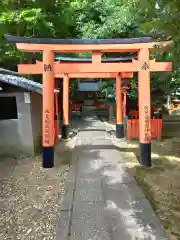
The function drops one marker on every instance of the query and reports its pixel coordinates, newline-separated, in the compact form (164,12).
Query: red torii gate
(143,66)
(36,69)
(128,58)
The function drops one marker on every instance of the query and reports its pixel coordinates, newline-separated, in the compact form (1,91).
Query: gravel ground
(30,197)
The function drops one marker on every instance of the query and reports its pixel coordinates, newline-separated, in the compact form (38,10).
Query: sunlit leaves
(40,18)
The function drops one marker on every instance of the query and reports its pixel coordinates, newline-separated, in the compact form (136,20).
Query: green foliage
(93,19)
(163,22)
(50,19)
(106,19)
(120,19)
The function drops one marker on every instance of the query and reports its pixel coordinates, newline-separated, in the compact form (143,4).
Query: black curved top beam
(117,59)
(17,39)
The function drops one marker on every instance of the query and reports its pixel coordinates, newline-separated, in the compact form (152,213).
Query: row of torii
(95,68)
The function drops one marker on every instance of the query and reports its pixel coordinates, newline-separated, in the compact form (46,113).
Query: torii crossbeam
(38,69)
(143,65)
(70,68)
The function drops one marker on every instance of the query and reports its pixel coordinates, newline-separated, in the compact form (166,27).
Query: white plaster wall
(16,134)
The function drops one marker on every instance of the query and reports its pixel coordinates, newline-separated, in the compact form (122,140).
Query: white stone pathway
(103,201)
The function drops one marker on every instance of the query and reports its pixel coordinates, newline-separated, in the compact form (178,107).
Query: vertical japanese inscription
(47,68)
(46,136)
(146,124)
(145,67)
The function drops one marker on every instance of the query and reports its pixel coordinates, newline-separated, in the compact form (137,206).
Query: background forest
(88,19)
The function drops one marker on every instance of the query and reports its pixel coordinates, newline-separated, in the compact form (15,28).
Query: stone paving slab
(92,162)
(89,231)
(88,190)
(107,154)
(87,212)
(91,167)
(101,143)
(123,191)
(132,219)
(85,183)
(116,174)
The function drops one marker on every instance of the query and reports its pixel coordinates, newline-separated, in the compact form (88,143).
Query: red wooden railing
(76,106)
(133,128)
(101,106)
(134,114)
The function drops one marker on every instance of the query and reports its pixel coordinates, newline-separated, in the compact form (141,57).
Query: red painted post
(48,109)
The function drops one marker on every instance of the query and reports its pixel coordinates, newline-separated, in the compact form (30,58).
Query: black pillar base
(145,154)
(65,131)
(48,157)
(120,130)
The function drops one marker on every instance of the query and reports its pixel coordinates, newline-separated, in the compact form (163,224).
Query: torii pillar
(144,108)
(56,114)
(65,127)
(125,90)
(48,109)
(119,113)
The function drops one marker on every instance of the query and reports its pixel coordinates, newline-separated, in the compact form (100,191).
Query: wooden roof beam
(65,48)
